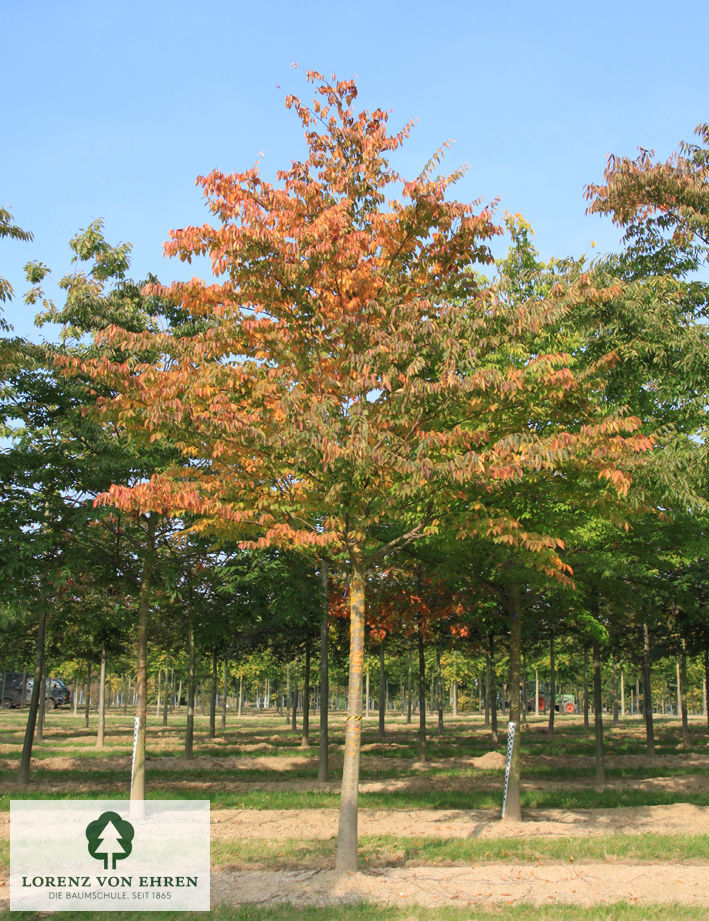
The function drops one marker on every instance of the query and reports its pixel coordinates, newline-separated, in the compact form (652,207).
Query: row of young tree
(354,426)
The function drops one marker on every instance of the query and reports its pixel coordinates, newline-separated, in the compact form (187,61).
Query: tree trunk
(382,692)
(455,697)
(167,695)
(492,685)
(323,769)
(683,694)
(102,701)
(622,694)
(409,686)
(305,735)
(439,690)
(586,721)
(615,691)
(598,714)
(225,690)
(25,760)
(213,696)
(294,701)
(141,679)
(87,702)
(706,679)
(647,686)
(191,689)
(346,860)
(422,698)
(513,809)
(536,691)
(552,685)
(288,693)
(42,712)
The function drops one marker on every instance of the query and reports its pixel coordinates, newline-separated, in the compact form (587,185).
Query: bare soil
(581,884)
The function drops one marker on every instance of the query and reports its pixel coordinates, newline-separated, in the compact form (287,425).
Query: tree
(353,372)
(9,229)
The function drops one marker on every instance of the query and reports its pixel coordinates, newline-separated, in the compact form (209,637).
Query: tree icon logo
(110,839)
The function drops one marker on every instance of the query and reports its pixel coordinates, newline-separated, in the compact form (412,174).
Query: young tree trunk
(523,701)
(305,734)
(240,706)
(102,701)
(622,694)
(536,691)
(409,686)
(141,679)
(683,694)
(513,809)
(494,737)
(346,860)
(213,696)
(487,690)
(706,679)
(323,769)
(87,702)
(25,760)
(615,691)
(455,697)
(439,690)
(42,712)
(382,692)
(552,685)
(586,721)
(288,693)
(647,685)
(191,690)
(422,698)
(294,702)
(225,689)
(167,696)
(598,714)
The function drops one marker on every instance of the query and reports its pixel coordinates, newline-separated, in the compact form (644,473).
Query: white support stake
(510,745)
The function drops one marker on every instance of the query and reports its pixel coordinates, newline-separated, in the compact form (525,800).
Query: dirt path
(544,884)
(680,818)
(274,824)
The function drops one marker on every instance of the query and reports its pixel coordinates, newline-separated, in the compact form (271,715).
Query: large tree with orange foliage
(352,375)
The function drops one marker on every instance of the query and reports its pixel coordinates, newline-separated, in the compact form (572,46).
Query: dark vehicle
(57,692)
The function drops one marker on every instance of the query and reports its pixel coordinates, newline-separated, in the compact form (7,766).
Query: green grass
(390,850)
(582,798)
(620,911)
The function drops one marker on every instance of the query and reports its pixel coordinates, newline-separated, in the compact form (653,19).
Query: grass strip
(391,850)
(619,911)
(395,799)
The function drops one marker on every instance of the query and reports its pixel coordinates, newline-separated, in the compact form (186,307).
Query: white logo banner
(110,855)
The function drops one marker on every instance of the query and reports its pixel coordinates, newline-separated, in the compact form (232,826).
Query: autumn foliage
(353,384)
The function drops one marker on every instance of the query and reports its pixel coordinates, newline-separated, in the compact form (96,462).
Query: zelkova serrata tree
(352,373)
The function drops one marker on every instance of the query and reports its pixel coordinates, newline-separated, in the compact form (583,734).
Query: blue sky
(112,109)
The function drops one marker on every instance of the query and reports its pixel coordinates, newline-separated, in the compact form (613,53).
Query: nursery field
(431,843)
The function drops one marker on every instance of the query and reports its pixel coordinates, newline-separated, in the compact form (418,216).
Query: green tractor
(565,703)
